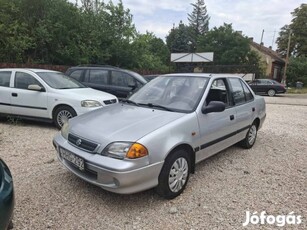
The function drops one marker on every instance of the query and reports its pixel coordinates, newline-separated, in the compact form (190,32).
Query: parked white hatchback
(47,95)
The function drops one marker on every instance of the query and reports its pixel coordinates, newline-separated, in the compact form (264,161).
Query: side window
(237,91)
(77,74)
(23,80)
(98,76)
(262,82)
(248,95)
(5,77)
(121,79)
(256,82)
(218,92)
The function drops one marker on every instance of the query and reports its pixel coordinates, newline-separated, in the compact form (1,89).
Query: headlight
(64,130)
(90,103)
(123,150)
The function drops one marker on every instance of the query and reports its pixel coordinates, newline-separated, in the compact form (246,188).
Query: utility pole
(261,43)
(273,38)
(284,78)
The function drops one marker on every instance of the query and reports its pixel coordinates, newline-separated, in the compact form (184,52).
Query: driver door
(217,129)
(27,102)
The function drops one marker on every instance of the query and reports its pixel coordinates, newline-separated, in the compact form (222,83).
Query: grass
(297,91)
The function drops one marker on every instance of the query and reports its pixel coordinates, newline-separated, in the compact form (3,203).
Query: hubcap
(63,117)
(178,174)
(271,92)
(252,134)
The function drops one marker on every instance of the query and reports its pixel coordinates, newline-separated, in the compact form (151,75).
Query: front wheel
(271,92)
(174,175)
(250,137)
(62,115)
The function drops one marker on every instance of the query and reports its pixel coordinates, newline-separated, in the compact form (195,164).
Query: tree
(179,40)
(229,48)
(14,37)
(298,29)
(297,70)
(150,53)
(119,32)
(198,21)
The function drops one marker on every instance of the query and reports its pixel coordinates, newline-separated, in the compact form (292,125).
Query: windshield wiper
(151,105)
(129,101)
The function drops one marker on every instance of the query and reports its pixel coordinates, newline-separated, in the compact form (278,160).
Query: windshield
(58,80)
(174,93)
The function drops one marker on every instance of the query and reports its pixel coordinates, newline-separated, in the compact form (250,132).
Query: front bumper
(118,176)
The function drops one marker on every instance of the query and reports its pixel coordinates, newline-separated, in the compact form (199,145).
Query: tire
(271,92)
(174,175)
(62,115)
(250,137)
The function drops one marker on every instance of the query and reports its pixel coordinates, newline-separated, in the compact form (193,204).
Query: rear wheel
(250,137)
(174,175)
(62,115)
(271,92)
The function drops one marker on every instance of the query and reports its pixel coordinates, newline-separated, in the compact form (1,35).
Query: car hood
(120,122)
(88,94)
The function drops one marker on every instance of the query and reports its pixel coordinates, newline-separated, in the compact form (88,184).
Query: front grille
(81,143)
(108,102)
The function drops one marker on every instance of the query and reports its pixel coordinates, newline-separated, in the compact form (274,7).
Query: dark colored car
(6,196)
(116,81)
(267,87)
(150,77)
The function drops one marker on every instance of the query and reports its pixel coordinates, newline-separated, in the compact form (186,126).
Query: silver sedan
(155,138)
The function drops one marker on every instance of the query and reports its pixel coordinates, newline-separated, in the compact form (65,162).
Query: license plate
(72,158)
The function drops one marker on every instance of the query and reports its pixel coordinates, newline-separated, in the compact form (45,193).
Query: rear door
(97,79)
(27,102)
(244,105)
(5,92)
(255,85)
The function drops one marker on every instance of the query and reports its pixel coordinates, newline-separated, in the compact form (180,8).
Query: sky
(249,16)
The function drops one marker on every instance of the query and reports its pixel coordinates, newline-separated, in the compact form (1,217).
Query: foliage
(14,37)
(229,47)
(59,32)
(150,53)
(198,21)
(298,29)
(179,39)
(297,70)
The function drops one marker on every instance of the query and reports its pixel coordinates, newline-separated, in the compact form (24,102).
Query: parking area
(269,177)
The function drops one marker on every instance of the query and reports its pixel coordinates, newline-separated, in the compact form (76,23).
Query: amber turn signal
(136,151)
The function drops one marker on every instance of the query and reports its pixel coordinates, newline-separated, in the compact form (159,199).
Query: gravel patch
(269,177)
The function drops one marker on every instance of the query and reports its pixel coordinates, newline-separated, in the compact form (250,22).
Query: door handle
(14,94)
(232,117)
(253,109)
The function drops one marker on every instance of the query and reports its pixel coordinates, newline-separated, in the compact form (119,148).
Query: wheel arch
(257,122)
(58,106)
(187,148)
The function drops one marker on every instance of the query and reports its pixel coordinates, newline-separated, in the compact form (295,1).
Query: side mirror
(213,106)
(36,88)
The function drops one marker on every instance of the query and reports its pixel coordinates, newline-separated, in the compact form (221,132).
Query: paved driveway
(287,99)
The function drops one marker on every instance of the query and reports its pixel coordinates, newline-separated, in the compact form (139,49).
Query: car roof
(29,69)
(208,75)
(110,67)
